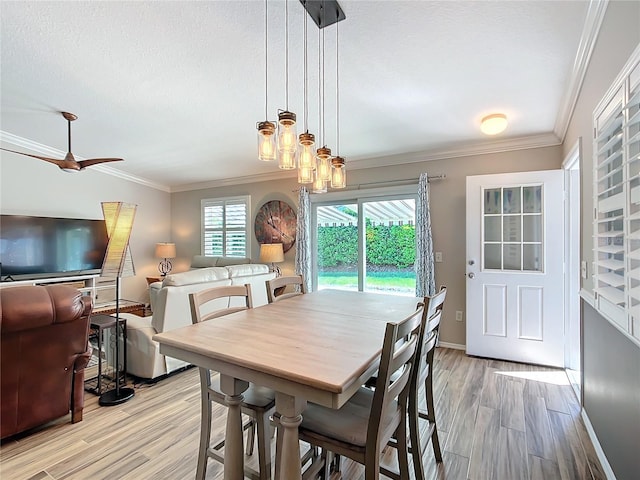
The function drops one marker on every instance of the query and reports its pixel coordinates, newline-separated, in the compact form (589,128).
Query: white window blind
(616,151)
(225,226)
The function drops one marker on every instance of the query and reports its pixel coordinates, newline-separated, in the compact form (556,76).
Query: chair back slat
(198,301)
(276,287)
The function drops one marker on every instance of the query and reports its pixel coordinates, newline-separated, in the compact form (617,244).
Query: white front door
(515,258)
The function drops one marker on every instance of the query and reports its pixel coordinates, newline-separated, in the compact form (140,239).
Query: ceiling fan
(69,163)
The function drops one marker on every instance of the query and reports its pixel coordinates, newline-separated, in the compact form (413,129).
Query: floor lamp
(117,263)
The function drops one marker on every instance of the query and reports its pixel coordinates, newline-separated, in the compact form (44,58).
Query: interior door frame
(572,247)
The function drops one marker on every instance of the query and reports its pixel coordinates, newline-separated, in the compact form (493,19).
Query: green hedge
(386,245)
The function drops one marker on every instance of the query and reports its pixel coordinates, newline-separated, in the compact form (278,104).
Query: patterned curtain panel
(425,279)
(303,238)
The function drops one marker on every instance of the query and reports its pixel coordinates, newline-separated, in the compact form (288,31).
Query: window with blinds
(617,201)
(225,226)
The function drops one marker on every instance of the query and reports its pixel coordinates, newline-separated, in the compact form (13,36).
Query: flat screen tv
(41,247)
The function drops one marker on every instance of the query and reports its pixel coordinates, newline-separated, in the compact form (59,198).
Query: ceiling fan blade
(46,159)
(95,161)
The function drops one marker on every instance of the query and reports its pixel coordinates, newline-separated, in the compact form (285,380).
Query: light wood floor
(497,420)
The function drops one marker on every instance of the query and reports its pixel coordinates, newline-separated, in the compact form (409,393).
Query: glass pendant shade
(307,158)
(305,175)
(338,173)
(287,160)
(287,135)
(266,141)
(319,185)
(324,163)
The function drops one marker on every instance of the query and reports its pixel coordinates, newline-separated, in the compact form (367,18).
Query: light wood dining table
(319,347)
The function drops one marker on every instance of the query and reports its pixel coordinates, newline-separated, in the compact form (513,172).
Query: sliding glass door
(365,244)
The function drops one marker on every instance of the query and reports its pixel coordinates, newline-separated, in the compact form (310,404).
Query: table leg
(290,410)
(234,449)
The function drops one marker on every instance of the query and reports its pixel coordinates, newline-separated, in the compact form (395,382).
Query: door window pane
(492,229)
(511,197)
(513,232)
(493,256)
(532,257)
(493,200)
(338,246)
(532,201)
(532,226)
(512,257)
(390,247)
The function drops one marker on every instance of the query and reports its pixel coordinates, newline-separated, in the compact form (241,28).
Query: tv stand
(101,290)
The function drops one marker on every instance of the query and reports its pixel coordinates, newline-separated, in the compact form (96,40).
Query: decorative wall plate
(276,223)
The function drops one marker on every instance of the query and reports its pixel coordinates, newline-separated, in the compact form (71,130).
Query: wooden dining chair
(422,376)
(364,425)
(258,403)
(276,288)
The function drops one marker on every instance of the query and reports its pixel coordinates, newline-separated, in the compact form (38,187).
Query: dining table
(318,347)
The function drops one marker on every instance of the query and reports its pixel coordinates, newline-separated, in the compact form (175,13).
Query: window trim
(246,199)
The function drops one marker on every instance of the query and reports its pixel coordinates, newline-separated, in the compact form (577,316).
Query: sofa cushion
(201,275)
(226,261)
(202,261)
(246,270)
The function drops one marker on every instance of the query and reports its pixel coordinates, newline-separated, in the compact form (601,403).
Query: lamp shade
(166,250)
(118,218)
(271,253)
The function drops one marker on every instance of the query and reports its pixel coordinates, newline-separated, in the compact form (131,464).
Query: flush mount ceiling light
(493,124)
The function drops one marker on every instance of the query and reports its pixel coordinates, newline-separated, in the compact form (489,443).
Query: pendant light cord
(286,50)
(266,60)
(323,122)
(337,92)
(306,81)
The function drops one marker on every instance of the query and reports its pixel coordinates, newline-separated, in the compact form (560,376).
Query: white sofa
(170,306)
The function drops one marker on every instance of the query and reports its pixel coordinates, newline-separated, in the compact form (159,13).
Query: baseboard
(455,346)
(608,471)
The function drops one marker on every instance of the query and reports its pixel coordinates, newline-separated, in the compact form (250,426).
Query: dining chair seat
(348,424)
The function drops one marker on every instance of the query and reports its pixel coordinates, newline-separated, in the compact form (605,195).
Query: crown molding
(45,150)
(466,150)
(590,31)
(225,182)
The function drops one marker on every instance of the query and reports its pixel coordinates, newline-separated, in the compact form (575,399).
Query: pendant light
(338,169)
(306,159)
(287,135)
(323,154)
(266,129)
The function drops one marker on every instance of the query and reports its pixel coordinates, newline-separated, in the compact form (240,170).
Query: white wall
(33,187)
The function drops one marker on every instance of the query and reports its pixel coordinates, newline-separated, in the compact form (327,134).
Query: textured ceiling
(176,88)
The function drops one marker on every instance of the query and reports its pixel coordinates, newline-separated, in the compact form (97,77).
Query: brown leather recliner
(44,348)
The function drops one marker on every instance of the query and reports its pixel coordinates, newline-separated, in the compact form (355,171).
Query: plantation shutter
(616,232)
(225,227)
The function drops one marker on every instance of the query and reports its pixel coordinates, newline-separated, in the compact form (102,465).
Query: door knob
(471,275)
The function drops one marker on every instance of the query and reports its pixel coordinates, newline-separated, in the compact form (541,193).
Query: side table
(99,324)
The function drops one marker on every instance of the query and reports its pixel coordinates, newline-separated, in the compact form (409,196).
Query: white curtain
(303,238)
(425,279)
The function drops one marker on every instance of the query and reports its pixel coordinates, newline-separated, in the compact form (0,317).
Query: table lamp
(165,251)
(118,218)
(272,253)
